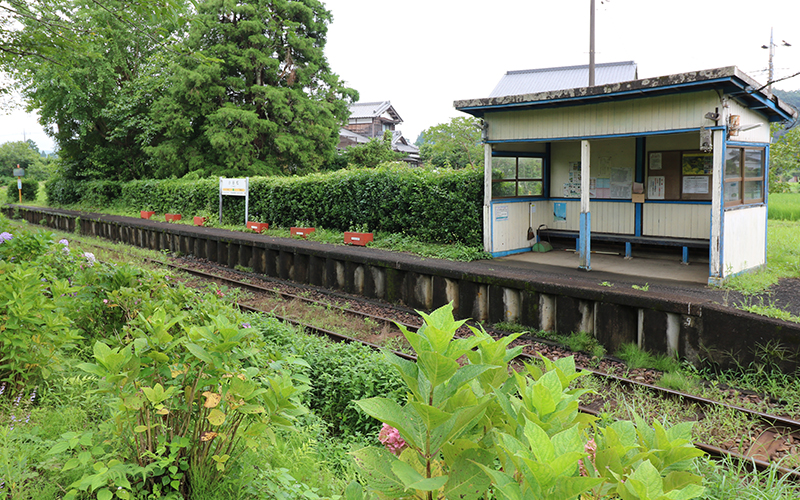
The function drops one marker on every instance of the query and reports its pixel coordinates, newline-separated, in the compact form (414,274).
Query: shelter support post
(585,217)
(717,208)
(487,198)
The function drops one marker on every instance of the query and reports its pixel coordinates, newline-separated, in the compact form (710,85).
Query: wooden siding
(672,112)
(676,220)
(744,239)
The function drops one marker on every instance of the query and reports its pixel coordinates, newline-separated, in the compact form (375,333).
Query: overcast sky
(424,54)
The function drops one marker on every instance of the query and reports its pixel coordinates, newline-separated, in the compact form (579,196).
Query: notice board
(679,175)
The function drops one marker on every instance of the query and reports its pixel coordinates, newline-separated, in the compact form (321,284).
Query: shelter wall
(748,117)
(744,232)
(652,114)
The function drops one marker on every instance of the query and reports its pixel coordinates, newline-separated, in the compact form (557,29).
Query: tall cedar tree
(261,98)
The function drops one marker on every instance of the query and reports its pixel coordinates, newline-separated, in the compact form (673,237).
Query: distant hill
(791,97)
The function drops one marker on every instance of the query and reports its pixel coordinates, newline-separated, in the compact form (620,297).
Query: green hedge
(438,205)
(30,189)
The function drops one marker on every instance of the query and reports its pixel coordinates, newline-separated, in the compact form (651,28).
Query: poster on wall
(620,183)
(655,161)
(655,187)
(695,184)
(501,212)
(697,164)
(559,212)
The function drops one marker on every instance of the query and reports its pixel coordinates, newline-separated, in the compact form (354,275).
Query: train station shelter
(679,161)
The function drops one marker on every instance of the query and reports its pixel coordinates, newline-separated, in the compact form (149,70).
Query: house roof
(373,110)
(729,79)
(531,81)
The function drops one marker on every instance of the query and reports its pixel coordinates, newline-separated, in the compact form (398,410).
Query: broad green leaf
(539,442)
(199,353)
(354,491)
(650,479)
(390,412)
(461,377)
(406,473)
(467,481)
(574,487)
(216,417)
(431,417)
(506,488)
(376,465)
(437,368)
(429,484)
(104,494)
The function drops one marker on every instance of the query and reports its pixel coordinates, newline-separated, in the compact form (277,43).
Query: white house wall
(672,112)
(744,233)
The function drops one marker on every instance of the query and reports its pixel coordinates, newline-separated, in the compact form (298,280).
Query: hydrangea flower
(246,325)
(90,258)
(390,438)
(64,242)
(6,236)
(591,449)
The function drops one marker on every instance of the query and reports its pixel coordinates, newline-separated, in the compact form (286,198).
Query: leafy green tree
(456,144)
(94,99)
(27,155)
(263,100)
(373,153)
(784,158)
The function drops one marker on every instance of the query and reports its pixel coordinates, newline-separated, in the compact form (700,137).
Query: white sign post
(235,187)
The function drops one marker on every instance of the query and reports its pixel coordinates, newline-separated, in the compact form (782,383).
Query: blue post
(585,241)
(685,255)
(628,250)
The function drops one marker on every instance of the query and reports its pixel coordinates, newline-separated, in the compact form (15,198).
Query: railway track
(774,432)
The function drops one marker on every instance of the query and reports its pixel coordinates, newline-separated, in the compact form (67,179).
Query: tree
(264,101)
(373,153)
(784,158)
(94,99)
(25,154)
(455,144)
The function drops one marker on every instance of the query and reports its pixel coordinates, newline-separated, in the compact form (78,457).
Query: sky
(424,54)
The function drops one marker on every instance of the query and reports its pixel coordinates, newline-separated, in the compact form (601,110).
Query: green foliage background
(441,206)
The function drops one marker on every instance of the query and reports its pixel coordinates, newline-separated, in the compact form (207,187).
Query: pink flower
(590,448)
(390,437)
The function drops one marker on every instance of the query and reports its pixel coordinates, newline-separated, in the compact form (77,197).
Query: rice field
(784,206)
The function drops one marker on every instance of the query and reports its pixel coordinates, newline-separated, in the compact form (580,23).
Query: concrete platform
(643,268)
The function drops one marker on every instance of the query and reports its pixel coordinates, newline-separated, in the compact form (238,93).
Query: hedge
(435,205)
(30,189)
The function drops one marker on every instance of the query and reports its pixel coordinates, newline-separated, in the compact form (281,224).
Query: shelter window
(744,176)
(517,176)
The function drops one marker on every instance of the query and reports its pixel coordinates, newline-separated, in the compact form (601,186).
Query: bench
(628,239)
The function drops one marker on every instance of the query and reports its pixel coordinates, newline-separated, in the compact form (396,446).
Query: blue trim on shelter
(511,252)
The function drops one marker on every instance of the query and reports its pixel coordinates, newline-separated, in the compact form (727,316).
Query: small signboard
(235,187)
(19,172)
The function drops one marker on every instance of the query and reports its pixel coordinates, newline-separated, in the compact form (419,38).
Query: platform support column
(585,218)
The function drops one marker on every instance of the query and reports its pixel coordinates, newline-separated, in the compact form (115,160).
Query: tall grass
(783,258)
(784,206)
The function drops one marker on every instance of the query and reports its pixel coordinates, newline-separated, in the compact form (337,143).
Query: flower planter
(258,227)
(144,214)
(200,221)
(360,239)
(172,217)
(301,231)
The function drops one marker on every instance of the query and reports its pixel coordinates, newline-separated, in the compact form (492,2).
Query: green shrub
(433,205)
(30,190)
(339,374)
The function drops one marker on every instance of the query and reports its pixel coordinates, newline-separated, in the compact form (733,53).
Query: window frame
(516,179)
(741,179)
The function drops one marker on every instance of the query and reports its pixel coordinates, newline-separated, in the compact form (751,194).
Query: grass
(783,259)
(638,358)
(784,206)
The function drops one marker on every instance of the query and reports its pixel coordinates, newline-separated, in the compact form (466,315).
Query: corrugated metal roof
(532,81)
(373,109)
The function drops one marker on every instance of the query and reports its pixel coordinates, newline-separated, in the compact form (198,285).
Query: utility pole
(591,44)
(771,48)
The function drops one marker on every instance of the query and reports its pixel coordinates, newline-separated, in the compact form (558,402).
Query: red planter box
(357,238)
(172,217)
(301,231)
(144,214)
(258,227)
(200,221)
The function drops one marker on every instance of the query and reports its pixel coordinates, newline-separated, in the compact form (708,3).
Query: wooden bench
(628,239)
